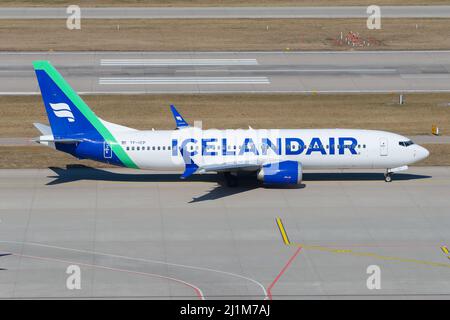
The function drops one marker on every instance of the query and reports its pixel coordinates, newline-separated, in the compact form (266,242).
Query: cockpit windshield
(406,143)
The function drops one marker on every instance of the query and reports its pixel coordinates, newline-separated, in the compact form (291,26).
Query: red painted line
(286,266)
(198,292)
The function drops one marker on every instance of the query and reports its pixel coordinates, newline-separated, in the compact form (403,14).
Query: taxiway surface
(149,235)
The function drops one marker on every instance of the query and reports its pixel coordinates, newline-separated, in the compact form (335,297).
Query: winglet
(190,167)
(180,122)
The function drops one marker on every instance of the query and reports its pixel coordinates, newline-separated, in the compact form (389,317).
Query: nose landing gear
(388,176)
(390,172)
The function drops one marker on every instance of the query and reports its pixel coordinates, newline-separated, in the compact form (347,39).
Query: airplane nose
(422,153)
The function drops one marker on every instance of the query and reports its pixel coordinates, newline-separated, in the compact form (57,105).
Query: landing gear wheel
(231,179)
(388,177)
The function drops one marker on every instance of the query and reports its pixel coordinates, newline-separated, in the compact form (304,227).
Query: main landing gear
(231,179)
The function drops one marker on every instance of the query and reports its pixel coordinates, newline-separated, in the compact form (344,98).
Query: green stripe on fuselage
(86,111)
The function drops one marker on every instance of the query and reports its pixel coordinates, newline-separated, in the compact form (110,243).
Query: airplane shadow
(74,173)
(359,176)
(4,255)
(247,181)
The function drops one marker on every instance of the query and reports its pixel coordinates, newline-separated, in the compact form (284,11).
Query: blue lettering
(225,151)
(315,146)
(294,141)
(174,147)
(332,146)
(266,143)
(248,146)
(206,146)
(343,145)
(184,144)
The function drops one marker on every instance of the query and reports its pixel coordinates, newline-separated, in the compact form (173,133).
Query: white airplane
(277,156)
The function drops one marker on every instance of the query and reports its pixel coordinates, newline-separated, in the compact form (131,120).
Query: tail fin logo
(62,110)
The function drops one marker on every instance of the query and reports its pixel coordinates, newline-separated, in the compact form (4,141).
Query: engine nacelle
(284,172)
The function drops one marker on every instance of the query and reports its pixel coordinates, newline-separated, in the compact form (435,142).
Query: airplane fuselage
(313,148)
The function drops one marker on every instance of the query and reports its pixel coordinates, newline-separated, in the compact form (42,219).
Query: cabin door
(107,152)
(383,147)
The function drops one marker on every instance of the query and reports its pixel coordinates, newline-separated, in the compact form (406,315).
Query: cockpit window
(406,143)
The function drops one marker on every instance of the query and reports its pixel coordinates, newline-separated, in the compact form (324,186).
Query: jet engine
(283,172)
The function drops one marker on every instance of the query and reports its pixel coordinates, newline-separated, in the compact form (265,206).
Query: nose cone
(421,153)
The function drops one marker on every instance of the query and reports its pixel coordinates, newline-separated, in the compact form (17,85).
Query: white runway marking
(178,62)
(197,290)
(185,80)
(144,260)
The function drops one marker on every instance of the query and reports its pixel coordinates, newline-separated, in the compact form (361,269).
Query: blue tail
(72,120)
(63,106)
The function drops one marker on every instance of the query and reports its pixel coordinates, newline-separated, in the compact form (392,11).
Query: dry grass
(38,157)
(235,34)
(439,155)
(209,3)
(43,157)
(380,111)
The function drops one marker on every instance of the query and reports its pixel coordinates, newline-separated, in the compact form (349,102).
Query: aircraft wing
(191,167)
(223,167)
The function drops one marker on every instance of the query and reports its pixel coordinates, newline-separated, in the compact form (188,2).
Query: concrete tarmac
(150,235)
(234,72)
(228,12)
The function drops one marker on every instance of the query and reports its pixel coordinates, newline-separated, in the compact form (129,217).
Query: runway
(234,72)
(150,235)
(229,12)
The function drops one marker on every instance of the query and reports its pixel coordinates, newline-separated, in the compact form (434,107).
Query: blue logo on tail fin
(65,119)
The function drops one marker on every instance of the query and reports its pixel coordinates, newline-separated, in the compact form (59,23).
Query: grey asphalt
(150,235)
(228,12)
(234,72)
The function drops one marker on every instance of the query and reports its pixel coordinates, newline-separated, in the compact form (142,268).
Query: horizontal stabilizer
(66,141)
(44,129)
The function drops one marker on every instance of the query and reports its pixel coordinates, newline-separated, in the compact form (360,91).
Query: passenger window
(128,148)
(153,148)
(159,148)
(132,148)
